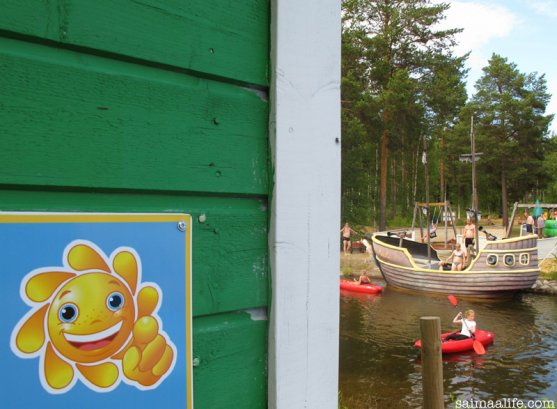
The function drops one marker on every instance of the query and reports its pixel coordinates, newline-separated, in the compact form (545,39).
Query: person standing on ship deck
(530,224)
(469,233)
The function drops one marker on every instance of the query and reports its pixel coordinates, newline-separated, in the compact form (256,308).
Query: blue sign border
(34,241)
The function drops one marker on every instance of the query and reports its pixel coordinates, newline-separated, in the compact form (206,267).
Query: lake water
(381,368)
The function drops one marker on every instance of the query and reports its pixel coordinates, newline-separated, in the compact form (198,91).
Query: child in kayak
(364,279)
(468,326)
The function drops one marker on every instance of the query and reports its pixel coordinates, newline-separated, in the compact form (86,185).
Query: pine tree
(511,126)
(399,53)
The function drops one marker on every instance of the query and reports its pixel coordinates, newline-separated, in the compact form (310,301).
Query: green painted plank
(229,259)
(32,17)
(69,119)
(228,39)
(231,355)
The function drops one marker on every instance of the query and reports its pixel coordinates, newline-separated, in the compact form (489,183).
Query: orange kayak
(360,288)
(449,347)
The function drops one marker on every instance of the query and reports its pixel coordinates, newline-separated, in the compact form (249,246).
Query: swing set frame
(447,211)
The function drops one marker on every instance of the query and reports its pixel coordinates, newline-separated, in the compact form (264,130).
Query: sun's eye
(68,313)
(115,301)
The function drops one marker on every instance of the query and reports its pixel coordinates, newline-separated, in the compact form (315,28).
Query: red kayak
(360,288)
(451,346)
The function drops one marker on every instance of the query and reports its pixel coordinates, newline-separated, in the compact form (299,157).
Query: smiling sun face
(84,318)
(91,317)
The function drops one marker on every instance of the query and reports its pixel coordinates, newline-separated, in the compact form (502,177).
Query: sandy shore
(357,263)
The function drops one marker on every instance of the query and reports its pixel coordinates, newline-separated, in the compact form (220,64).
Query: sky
(522,31)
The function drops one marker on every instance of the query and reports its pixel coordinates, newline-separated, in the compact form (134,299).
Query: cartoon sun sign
(93,320)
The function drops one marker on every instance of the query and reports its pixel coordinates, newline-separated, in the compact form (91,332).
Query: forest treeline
(404,101)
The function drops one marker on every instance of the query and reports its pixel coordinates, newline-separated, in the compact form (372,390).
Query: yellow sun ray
(82,257)
(41,286)
(103,375)
(125,265)
(30,337)
(58,373)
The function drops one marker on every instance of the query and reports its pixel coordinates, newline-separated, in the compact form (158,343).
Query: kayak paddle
(478,347)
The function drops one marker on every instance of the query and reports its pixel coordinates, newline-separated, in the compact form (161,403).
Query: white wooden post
(305,204)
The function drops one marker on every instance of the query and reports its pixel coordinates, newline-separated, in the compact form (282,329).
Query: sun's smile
(93,341)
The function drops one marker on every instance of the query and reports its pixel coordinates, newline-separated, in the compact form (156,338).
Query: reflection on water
(380,368)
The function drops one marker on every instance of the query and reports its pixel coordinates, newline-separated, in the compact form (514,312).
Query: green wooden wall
(152,106)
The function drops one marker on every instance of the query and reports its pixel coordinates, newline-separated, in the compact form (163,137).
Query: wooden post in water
(432,368)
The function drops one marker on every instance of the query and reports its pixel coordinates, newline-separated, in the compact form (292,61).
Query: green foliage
(401,221)
(511,131)
(550,169)
(551,276)
(399,83)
